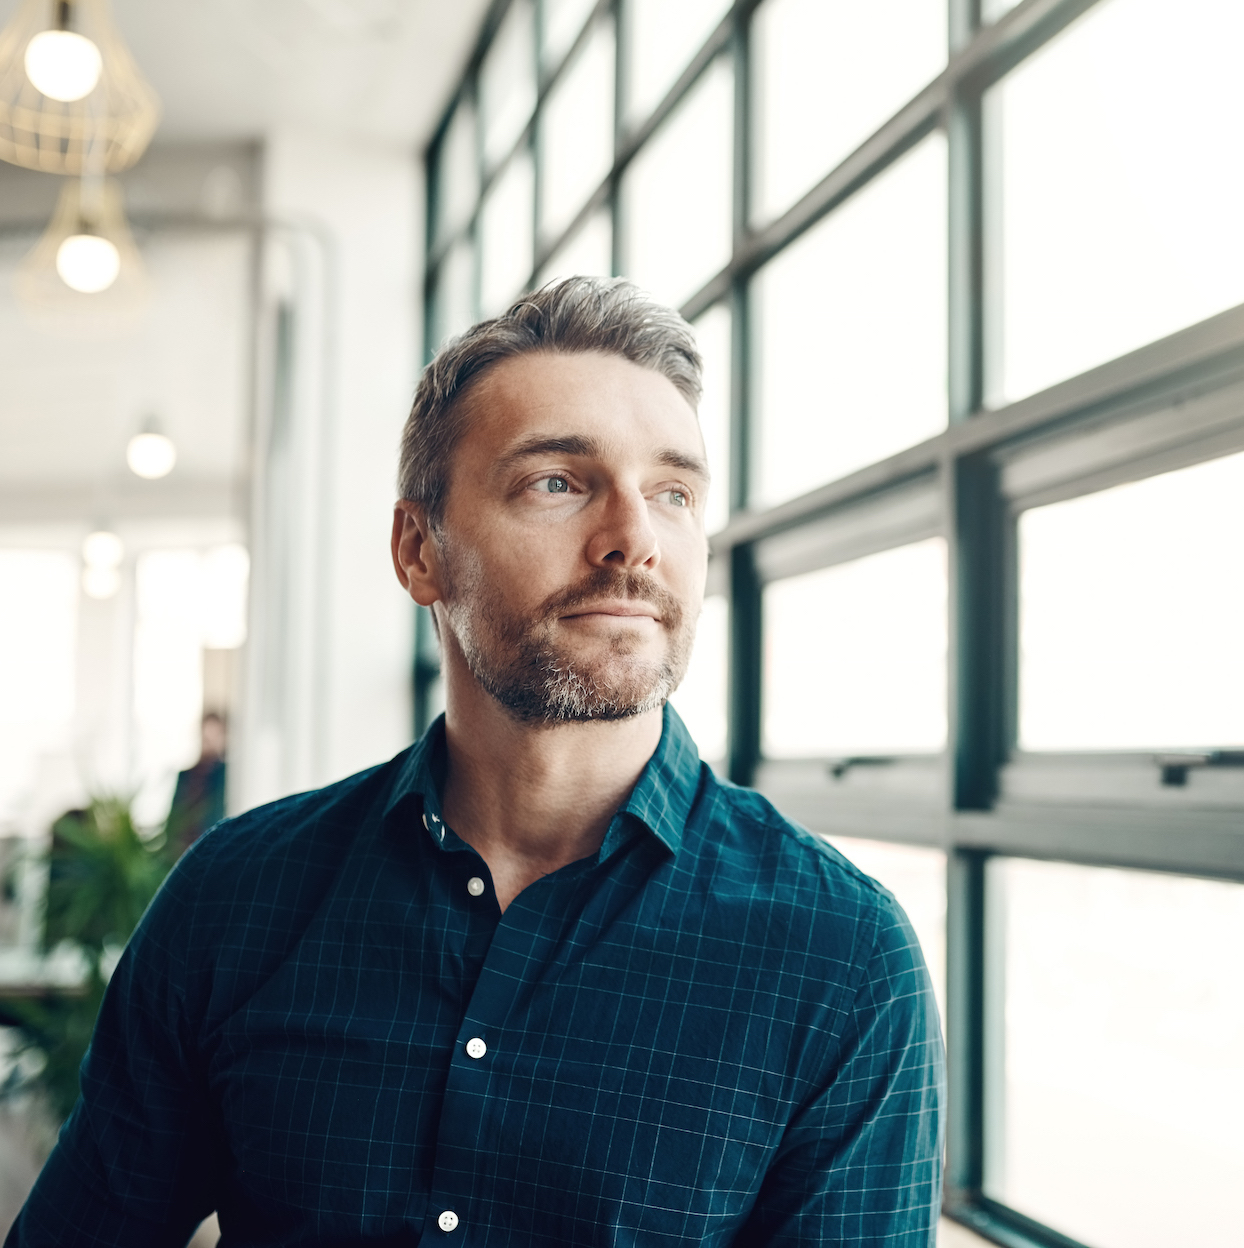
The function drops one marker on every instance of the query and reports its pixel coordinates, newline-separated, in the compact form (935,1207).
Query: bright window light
(1131,614)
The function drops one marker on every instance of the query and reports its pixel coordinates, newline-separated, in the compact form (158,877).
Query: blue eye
(556,485)
(678,498)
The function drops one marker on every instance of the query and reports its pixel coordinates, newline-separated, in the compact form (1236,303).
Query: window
(1118,1076)
(863,289)
(1117,223)
(677,194)
(973,403)
(855,657)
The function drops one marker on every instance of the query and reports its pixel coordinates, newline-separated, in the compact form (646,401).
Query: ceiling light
(88,263)
(151,455)
(63,65)
(102,549)
(85,273)
(72,101)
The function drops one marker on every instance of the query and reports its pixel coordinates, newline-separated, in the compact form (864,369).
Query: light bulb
(151,455)
(102,549)
(88,263)
(100,582)
(63,65)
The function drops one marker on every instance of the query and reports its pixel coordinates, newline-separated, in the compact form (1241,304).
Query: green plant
(101,875)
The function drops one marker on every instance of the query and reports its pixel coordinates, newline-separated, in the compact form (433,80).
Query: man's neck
(532,798)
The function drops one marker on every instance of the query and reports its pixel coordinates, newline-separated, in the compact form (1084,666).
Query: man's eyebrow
(588,447)
(572,444)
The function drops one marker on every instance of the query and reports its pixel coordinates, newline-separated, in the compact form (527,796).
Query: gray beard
(516,661)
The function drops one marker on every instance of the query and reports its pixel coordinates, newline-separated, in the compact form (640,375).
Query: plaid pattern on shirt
(714,1031)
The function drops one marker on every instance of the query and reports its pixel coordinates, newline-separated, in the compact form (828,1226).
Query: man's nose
(623,536)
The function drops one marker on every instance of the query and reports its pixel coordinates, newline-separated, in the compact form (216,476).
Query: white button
(475,886)
(476,1048)
(448,1221)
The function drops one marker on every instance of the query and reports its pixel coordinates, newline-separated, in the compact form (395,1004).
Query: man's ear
(414,553)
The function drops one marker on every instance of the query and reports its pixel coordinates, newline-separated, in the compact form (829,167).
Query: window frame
(1165,405)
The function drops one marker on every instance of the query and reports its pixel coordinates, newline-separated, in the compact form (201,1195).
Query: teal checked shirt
(714,1031)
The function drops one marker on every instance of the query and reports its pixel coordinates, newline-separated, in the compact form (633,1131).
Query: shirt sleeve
(861,1163)
(134,1163)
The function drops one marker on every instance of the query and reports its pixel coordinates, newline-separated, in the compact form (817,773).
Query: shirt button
(475,886)
(448,1221)
(476,1048)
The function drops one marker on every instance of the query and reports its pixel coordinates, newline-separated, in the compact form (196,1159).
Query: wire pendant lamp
(84,276)
(72,101)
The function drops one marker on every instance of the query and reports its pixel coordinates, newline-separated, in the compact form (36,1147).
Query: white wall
(329,672)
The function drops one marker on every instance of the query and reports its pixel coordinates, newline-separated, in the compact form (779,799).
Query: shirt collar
(661,800)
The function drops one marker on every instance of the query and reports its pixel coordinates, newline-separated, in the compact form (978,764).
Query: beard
(518,661)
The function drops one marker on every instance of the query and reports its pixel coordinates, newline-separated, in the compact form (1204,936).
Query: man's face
(572,556)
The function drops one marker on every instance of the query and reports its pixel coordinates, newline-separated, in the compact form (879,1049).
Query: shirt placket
(519,945)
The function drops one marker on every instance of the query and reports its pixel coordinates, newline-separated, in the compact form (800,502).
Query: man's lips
(618,609)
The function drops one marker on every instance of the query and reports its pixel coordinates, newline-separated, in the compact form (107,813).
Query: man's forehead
(595,405)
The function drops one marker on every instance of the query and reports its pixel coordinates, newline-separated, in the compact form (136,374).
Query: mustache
(627,583)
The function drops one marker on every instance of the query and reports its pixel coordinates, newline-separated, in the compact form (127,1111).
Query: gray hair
(572,316)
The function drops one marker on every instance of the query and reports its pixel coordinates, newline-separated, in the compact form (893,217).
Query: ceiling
(238,69)
(229,73)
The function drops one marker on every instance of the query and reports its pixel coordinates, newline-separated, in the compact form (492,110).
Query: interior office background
(968,277)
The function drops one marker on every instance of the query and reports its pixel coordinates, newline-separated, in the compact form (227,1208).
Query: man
(542,979)
(199,798)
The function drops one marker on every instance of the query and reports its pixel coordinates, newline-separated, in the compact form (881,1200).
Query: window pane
(506,226)
(507,82)
(454,308)
(1131,615)
(849,66)
(664,38)
(701,698)
(561,21)
(38,638)
(1121,1086)
(855,656)
(677,194)
(457,173)
(589,251)
(1120,197)
(851,330)
(577,133)
(712,334)
(916,876)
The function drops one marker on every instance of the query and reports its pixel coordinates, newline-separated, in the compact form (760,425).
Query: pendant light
(72,101)
(85,269)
